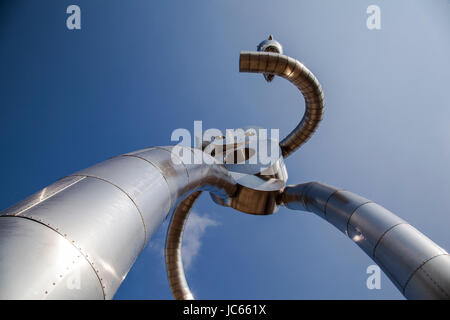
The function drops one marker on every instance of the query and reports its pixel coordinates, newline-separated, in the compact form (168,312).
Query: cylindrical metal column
(416,265)
(79,237)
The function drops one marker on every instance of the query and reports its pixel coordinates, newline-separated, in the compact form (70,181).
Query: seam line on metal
(71,243)
(419,267)
(307,189)
(328,199)
(135,204)
(353,212)
(49,196)
(389,274)
(287,64)
(436,284)
(181,160)
(276,63)
(382,236)
(159,170)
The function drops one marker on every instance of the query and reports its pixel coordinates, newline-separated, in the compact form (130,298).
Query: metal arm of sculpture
(79,237)
(416,265)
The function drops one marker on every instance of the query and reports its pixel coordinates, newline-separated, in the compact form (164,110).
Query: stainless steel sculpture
(417,266)
(90,227)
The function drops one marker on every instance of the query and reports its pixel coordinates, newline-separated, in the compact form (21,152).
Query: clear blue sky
(137,70)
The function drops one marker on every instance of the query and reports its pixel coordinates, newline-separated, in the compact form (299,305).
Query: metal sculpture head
(270,45)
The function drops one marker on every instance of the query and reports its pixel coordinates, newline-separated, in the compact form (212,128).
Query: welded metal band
(300,76)
(24,210)
(91,215)
(430,280)
(46,193)
(415,264)
(176,175)
(79,257)
(174,263)
(136,178)
(125,193)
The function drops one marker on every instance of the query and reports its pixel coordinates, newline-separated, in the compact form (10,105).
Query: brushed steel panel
(101,221)
(38,263)
(40,196)
(175,174)
(142,182)
(316,197)
(404,249)
(369,223)
(341,206)
(431,280)
(407,256)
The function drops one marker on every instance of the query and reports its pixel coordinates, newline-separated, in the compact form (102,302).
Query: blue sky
(137,70)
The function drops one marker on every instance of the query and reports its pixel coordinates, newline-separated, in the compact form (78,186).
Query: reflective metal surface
(415,264)
(101,221)
(431,280)
(270,45)
(105,215)
(174,262)
(257,187)
(38,263)
(402,252)
(300,76)
(143,184)
(258,184)
(79,237)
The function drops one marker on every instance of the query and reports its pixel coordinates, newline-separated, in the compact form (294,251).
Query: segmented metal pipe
(417,266)
(257,62)
(300,76)
(174,263)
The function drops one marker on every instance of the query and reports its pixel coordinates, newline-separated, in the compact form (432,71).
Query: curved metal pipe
(300,76)
(416,265)
(255,62)
(174,262)
(79,237)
